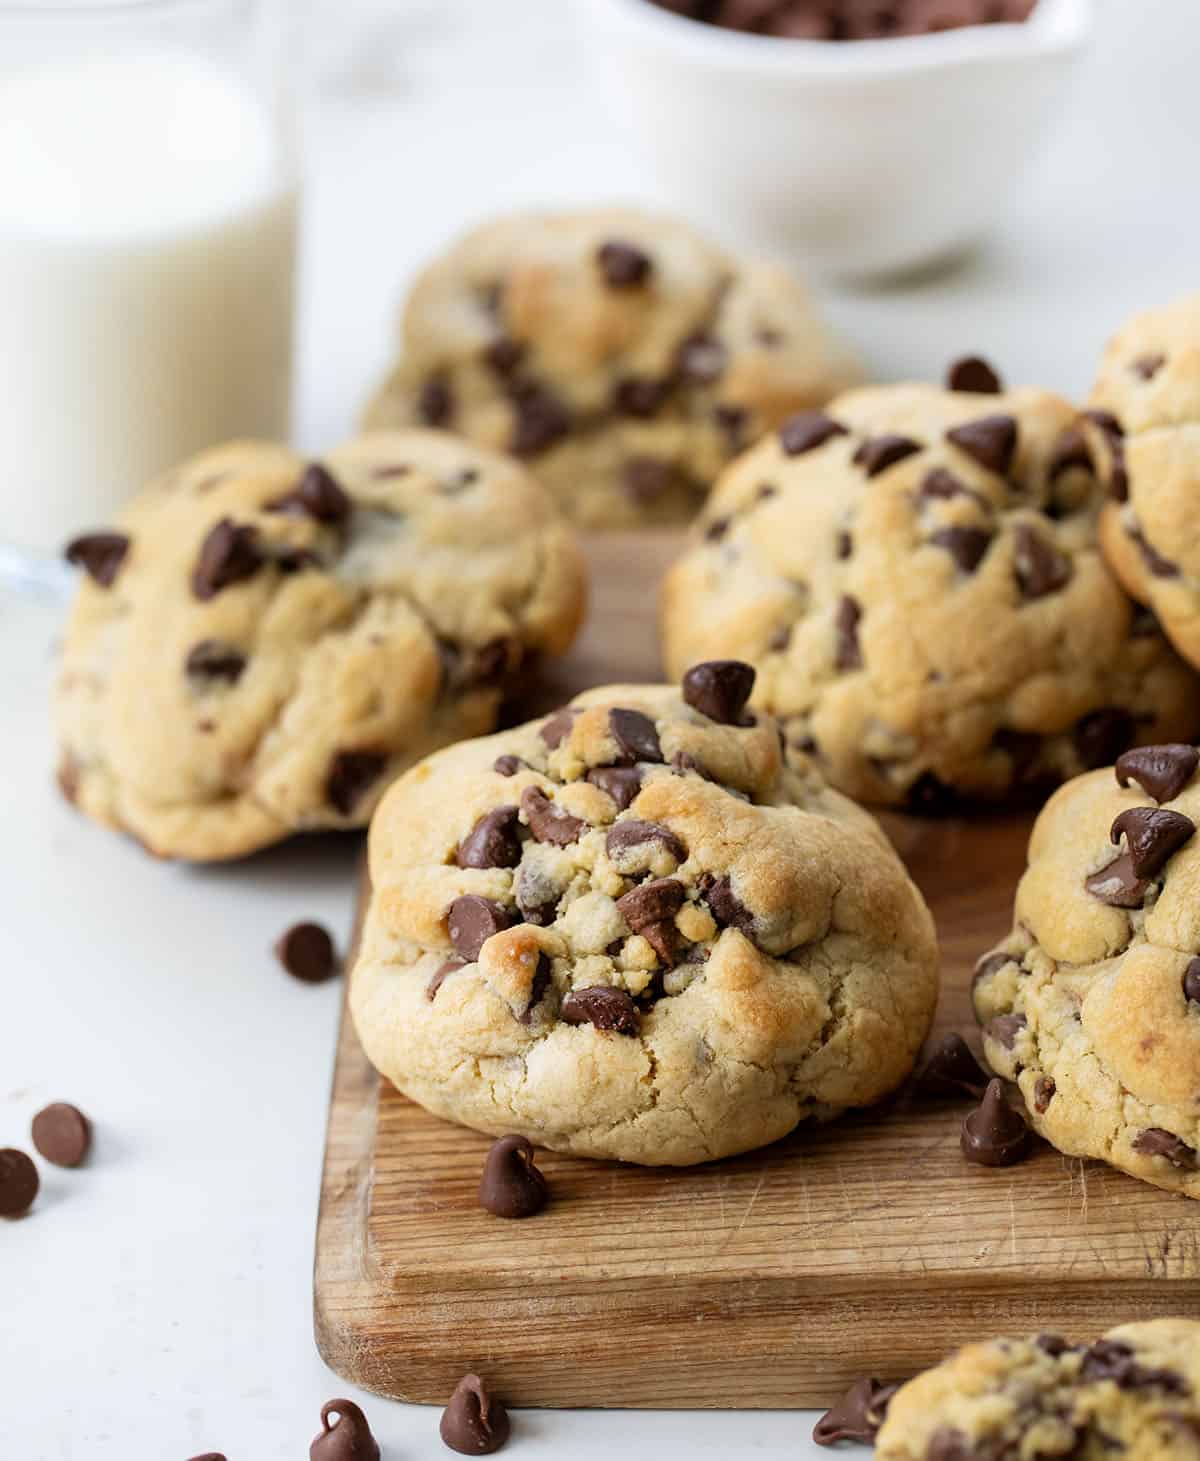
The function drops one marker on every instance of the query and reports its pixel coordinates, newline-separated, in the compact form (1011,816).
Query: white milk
(146,258)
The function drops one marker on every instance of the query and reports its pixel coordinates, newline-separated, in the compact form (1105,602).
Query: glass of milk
(148,200)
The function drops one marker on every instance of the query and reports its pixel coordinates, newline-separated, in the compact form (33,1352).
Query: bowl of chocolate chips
(860,138)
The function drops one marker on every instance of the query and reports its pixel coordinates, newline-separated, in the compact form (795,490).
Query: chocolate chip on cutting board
(511,1186)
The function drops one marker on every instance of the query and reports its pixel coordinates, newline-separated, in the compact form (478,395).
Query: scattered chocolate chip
(1101,735)
(441,974)
(630,833)
(435,402)
(720,688)
(1148,366)
(1109,1359)
(808,430)
(1004,1029)
(843,545)
(990,964)
(318,496)
(848,653)
(683,761)
(940,485)
(974,374)
(1052,1344)
(726,907)
(474,1424)
(929,796)
(1117,884)
(1155,1142)
(504,354)
(1159,566)
(550,823)
(19,1182)
(493,841)
(716,530)
(471,921)
(1152,836)
(306,951)
(1161,771)
(1191,981)
(558,727)
(1107,423)
(655,902)
(1070,450)
(877,453)
(951,1071)
(511,1186)
(623,265)
(857,1416)
(640,396)
(1039,566)
(635,736)
(507,765)
(230,552)
(541,420)
(62,1134)
(701,359)
(991,441)
(350,774)
(1142,623)
(539,984)
(604,1007)
(966,546)
(212,660)
(647,479)
(622,783)
(537,896)
(346,1437)
(994,1135)
(1043,1094)
(100,555)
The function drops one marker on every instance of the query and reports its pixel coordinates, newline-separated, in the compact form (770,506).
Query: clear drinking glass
(148,201)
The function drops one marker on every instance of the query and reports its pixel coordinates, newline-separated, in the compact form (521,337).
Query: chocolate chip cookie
(619,353)
(262,643)
(1092,1005)
(915,574)
(630,931)
(1144,428)
(1134,1394)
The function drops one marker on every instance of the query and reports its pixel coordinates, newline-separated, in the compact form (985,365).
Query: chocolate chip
(1117,884)
(877,453)
(471,921)
(720,688)
(350,774)
(558,727)
(1004,1029)
(19,1182)
(100,555)
(541,420)
(1039,567)
(940,485)
(504,354)
(493,841)
(211,1456)
(843,545)
(683,761)
(345,1434)
(640,396)
(1148,366)
(1152,836)
(1159,566)
(808,430)
(1070,450)
(318,496)
(732,421)
(929,796)
(951,1071)
(1109,1359)
(1101,735)
(726,907)
(1191,981)
(857,1416)
(994,1135)
(950,1444)
(1118,473)
(441,974)
(716,529)
(1107,423)
(848,653)
(229,553)
(623,265)
(435,402)
(966,546)
(991,441)
(604,1007)
(1021,747)
(212,660)
(622,783)
(1155,1142)
(1161,771)
(990,964)
(62,1134)
(474,1424)
(630,833)
(306,951)
(507,765)
(1043,1094)
(701,359)
(657,901)
(646,479)
(635,736)
(511,1186)
(974,374)
(1052,1344)
(550,823)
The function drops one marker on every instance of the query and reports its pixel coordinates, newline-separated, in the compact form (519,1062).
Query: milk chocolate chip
(511,1186)
(1117,884)
(857,1416)
(622,783)
(877,453)
(848,653)
(604,1007)
(350,774)
(631,833)
(474,1424)
(951,1071)
(493,841)
(623,265)
(720,688)
(318,496)
(1039,566)
(230,553)
(541,420)
(1152,835)
(62,1134)
(306,951)
(808,430)
(991,441)
(100,555)
(965,545)
(345,1434)
(471,921)
(972,373)
(550,823)
(1161,771)
(19,1182)
(1155,1142)
(994,1135)
(212,660)
(635,736)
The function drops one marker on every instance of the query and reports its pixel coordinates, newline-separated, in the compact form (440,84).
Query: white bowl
(858,158)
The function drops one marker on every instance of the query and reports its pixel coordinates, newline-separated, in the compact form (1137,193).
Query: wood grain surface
(769,1280)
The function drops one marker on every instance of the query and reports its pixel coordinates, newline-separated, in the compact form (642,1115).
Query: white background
(157,1302)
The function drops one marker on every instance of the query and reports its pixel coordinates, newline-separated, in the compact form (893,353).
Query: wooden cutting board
(769,1280)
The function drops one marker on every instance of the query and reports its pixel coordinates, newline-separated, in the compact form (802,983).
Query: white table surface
(156,1303)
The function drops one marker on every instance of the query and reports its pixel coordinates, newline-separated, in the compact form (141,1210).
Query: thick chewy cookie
(1093,1003)
(629,931)
(1145,428)
(619,353)
(262,643)
(1133,1395)
(916,577)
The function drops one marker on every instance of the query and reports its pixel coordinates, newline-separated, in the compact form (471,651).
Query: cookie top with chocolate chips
(623,356)
(915,575)
(262,643)
(629,931)
(1134,1394)
(1092,1005)
(1145,432)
